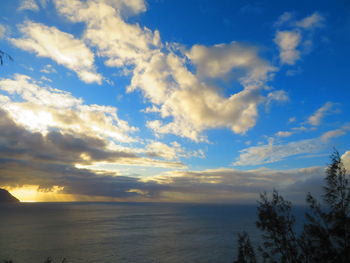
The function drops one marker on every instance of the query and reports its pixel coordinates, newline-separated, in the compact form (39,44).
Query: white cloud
(48,69)
(296,39)
(28,90)
(174,151)
(121,43)
(2,31)
(292,119)
(159,149)
(284,133)
(44,108)
(202,108)
(276,96)
(307,23)
(230,59)
(194,105)
(316,118)
(288,42)
(336,133)
(346,160)
(28,5)
(70,8)
(59,46)
(271,152)
(70,130)
(311,22)
(161,72)
(284,18)
(43,78)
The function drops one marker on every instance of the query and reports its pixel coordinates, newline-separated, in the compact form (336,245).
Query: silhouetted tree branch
(246,252)
(4,55)
(326,233)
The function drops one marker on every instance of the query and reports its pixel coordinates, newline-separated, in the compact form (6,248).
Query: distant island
(6,197)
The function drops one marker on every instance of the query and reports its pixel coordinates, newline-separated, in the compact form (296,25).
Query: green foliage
(326,232)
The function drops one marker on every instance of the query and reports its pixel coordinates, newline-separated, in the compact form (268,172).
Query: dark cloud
(19,143)
(49,160)
(229,184)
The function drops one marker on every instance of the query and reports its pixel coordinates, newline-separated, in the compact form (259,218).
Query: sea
(124,232)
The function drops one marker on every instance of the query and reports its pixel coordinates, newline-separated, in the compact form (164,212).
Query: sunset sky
(178,101)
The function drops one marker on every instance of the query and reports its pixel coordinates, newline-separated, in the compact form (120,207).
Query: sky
(172,101)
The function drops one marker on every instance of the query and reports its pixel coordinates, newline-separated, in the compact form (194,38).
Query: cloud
(184,101)
(288,42)
(59,46)
(196,110)
(44,108)
(21,144)
(28,5)
(223,60)
(297,39)
(194,105)
(293,72)
(64,149)
(48,69)
(81,10)
(82,184)
(213,185)
(292,119)
(284,133)
(223,184)
(316,118)
(276,96)
(284,18)
(310,22)
(270,153)
(2,31)
(121,43)
(48,161)
(336,133)
(158,149)
(346,160)
(170,152)
(63,120)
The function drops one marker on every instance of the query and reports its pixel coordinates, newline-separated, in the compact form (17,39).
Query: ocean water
(123,232)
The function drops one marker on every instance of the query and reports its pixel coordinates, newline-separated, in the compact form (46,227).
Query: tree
(246,252)
(4,55)
(326,232)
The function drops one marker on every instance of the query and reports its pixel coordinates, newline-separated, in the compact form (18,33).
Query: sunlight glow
(33,120)
(32,194)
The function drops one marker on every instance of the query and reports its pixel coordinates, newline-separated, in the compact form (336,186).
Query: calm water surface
(123,232)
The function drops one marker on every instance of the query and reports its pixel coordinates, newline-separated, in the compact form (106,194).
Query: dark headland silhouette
(6,197)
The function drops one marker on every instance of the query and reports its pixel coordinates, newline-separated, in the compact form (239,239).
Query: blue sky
(198,101)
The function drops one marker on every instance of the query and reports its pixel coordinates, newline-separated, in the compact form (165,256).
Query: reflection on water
(122,232)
